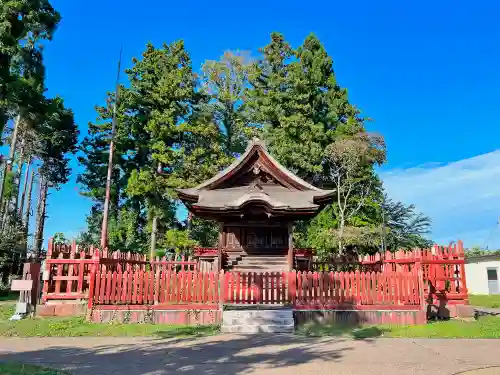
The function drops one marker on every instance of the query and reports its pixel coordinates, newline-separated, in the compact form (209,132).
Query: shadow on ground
(234,354)
(333,330)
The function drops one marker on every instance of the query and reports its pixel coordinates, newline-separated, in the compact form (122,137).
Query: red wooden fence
(355,289)
(255,287)
(318,290)
(70,272)
(69,269)
(149,287)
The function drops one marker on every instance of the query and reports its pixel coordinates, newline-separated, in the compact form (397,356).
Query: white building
(482,274)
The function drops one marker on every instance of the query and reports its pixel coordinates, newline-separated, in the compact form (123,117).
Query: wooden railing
(149,287)
(69,269)
(318,290)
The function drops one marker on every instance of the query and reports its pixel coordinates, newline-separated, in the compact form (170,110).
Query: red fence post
(420,283)
(93,274)
(46,272)
(463,283)
(221,287)
(292,287)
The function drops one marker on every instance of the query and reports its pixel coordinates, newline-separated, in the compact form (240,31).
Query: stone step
(267,328)
(256,314)
(258,261)
(257,322)
(253,270)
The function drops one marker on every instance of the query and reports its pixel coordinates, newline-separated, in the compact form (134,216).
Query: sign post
(28,289)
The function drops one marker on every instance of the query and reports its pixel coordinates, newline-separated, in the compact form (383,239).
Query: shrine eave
(255,182)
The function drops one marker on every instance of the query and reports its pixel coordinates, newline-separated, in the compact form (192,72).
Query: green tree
(24,24)
(166,138)
(59,238)
(130,154)
(58,138)
(295,97)
(224,82)
(403,227)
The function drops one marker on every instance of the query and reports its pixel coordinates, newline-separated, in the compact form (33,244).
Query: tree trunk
(154,229)
(341,234)
(25,186)
(17,179)
(40,216)
(27,214)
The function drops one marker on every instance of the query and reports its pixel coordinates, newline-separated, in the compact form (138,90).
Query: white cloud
(462,198)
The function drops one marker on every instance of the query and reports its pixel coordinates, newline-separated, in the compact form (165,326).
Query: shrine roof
(256,177)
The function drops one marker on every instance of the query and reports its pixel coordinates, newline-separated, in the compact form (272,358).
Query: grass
(485,300)
(77,326)
(14,368)
(485,327)
(9,297)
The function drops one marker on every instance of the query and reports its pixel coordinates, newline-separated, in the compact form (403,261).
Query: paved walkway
(266,355)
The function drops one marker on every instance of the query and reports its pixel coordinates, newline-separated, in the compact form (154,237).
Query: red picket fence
(71,271)
(69,268)
(255,287)
(149,287)
(66,274)
(318,290)
(335,289)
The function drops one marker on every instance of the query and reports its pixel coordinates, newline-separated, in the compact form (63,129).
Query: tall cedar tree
(296,98)
(23,24)
(58,140)
(127,218)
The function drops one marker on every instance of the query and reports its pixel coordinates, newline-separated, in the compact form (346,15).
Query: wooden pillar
(290,247)
(219,247)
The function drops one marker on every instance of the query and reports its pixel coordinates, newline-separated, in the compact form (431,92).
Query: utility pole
(105,214)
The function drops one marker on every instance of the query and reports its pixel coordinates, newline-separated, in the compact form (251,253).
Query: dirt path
(271,354)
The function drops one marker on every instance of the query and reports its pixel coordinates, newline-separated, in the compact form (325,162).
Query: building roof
(256,178)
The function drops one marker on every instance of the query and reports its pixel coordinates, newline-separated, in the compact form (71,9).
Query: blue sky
(427,73)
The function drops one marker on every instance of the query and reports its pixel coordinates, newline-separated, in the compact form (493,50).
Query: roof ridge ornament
(257,141)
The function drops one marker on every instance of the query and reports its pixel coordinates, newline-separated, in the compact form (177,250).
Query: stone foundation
(61,309)
(185,317)
(359,317)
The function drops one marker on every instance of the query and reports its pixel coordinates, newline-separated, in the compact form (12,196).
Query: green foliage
(306,117)
(23,25)
(296,98)
(59,238)
(224,82)
(475,251)
(205,232)
(166,139)
(178,241)
(58,138)
(176,129)
(405,228)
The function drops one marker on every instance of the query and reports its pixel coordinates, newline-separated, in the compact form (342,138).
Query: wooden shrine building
(255,201)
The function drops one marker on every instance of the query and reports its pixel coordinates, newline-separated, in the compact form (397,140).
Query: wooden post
(94,273)
(290,247)
(154,229)
(463,283)
(219,247)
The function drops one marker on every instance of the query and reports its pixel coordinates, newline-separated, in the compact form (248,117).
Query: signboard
(21,285)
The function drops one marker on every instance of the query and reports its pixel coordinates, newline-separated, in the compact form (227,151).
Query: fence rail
(302,290)
(149,287)
(69,269)
(402,279)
